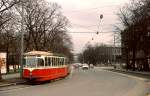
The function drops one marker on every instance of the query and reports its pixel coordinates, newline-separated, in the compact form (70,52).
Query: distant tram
(42,66)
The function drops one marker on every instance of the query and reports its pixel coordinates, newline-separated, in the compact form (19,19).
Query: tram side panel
(45,74)
(49,67)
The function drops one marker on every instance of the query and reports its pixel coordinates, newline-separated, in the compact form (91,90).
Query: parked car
(85,66)
(80,65)
(75,66)
(91,66)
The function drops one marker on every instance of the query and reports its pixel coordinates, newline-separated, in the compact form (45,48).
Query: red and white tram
(42,66)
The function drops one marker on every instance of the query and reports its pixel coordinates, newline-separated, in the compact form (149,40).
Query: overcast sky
(84,17)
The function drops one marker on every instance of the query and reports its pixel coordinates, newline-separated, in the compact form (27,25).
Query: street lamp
(22,42)
(101,17)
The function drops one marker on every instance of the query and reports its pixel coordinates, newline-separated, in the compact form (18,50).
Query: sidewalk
(138,72)
(141,74)
(130,72)
(10,79)
(10,76)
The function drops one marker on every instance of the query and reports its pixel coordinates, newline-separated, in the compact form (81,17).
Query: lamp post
(101,17)
(127,58)
(114,49)
(22,42)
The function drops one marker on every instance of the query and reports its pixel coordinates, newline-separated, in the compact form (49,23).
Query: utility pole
(101,17)
(114,48)
(22,41)
(83,58)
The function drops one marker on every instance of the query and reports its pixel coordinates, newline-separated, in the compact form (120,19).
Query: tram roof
(33,53)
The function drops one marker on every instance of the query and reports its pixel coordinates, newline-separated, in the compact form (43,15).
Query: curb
(132,76)
(148,74)
(134,72)
(127,75)
(9,84)
(12,84)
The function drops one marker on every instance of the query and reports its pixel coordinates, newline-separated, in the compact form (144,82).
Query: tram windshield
(31,61)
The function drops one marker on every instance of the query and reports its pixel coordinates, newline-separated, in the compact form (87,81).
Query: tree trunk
(14,67)
(127,61)
(133,58)
(146,65)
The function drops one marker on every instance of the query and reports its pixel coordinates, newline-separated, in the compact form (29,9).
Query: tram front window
(31,62)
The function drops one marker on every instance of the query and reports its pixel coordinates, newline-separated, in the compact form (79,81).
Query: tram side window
(58,64)
(56,61)
(61,61)
(49,61)
(52,61)
(46,61)
(40,62)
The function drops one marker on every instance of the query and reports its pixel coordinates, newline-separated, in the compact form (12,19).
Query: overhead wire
(89,32)
(87,27)
(90,8)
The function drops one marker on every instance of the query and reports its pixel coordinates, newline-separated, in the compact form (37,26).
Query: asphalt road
(93,82)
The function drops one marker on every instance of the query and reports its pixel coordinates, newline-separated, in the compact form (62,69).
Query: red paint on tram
(43,66)
(45,74)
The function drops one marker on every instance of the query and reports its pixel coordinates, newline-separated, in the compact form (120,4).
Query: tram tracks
(24,84)
(28,84)
(15,86)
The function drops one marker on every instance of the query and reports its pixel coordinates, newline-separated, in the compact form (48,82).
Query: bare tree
(45,26)
(133,19)
(5,6)
(5,18)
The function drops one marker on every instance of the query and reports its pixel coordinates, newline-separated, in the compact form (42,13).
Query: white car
(91,66)
(85,66)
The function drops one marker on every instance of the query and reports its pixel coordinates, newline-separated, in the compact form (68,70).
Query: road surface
(93,82)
